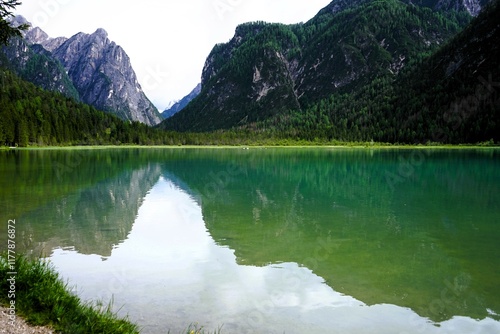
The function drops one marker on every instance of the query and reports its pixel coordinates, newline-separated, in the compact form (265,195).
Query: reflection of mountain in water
(108,210)
(372,226)
(346,216)
(96,217)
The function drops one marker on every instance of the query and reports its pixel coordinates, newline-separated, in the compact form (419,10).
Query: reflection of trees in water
(332,211)
(82,199)
(335,212)
(95,219)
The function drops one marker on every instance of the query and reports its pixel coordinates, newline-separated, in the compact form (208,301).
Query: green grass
(271,144)
(197,329)
(42,298)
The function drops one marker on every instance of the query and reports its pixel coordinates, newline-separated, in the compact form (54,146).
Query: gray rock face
(102,73)
(35,64)
(471,6)
(89,68)
(178,106)
(38,36)
(266,69)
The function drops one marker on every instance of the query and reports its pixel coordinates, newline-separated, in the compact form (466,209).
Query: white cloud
(167,41)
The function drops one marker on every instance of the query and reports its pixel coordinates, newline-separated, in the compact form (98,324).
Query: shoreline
(19,325)
(247,147)
(41,297)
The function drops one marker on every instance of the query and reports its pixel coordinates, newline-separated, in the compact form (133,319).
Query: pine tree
(6,30)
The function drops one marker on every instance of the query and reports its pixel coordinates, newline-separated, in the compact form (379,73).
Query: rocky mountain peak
(36,36)
(98,68)
(18,20)
(102,73)
(101,33)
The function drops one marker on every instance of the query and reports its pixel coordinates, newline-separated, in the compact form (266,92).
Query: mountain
(98,69)
(454,96)
(104,77)
(38,36)
(181,104)
(35,64)
(473,7)
(269,69)
(30,115)
(448,96)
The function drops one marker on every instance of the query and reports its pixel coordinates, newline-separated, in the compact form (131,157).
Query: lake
(268,240)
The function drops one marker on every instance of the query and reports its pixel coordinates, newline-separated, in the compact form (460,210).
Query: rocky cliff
(182,103)
(102,73)
(97,68)
(473,7)
(266,69)
(35,64)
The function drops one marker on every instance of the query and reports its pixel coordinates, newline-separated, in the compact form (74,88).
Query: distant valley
(181,104)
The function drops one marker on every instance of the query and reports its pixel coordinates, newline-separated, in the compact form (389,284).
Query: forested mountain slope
(268,69)
(451,96)
(30,115)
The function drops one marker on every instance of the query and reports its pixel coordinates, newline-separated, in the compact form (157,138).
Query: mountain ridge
(449,96)
(103,74)
(177,106)
(37,65)
(98,69)
(267,69)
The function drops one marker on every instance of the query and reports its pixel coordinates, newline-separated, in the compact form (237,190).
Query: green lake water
(273,240)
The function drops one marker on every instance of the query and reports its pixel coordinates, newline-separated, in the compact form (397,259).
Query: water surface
(269,240)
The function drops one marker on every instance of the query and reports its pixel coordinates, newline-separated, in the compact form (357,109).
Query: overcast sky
(166,40)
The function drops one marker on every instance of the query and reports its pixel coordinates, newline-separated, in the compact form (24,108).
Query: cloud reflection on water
(169,273)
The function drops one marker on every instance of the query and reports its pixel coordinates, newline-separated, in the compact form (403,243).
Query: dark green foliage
(253,93)
(449,97)
(454,95)
(363,42)
(36,65)
(259,49)
(268,69)
(6,30)
(32,116)
(447,94)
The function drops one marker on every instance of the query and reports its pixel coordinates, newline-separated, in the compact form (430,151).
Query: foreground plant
(43,299)
(197,329)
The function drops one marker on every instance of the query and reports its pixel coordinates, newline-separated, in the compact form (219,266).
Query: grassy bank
(283,144)
(43,299)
